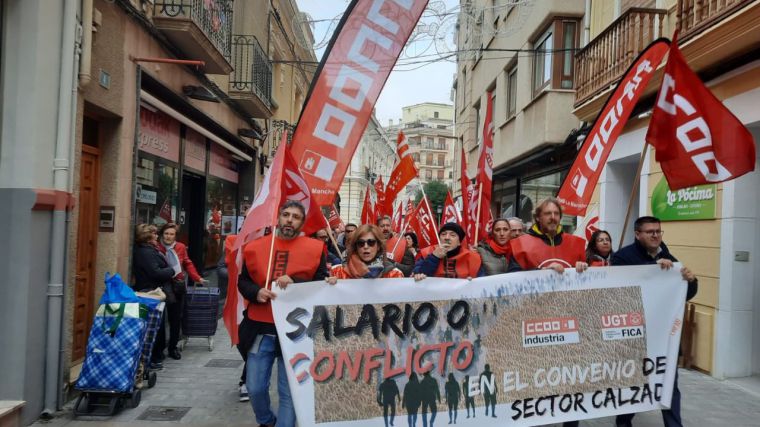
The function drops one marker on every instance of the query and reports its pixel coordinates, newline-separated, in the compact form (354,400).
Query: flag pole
(634,188)
(424,197)
(477,216)
(268,285)
(332,238)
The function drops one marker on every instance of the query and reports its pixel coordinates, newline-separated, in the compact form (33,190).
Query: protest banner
(533,347)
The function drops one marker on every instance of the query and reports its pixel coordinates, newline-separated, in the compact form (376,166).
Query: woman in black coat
(151,271)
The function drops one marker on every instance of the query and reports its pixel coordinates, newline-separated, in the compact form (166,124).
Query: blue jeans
(259,366)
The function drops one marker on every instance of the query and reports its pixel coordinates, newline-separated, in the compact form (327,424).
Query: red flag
(402,174)
(450,211)
(398,219)
(427,232)
(401,146)
(380,201)
(166,211)
(282,182)
(334,220)
(578,187)
(469,202)
(696,138)
(485,171)
(409,206)
(360,57)
(367,210)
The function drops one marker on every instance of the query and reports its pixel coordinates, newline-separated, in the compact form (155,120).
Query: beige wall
(541,119)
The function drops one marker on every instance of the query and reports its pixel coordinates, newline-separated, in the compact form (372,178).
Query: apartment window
(440,174)
(441,143)
(550,70)
(435,114)
(512,92)
(441,159)
(542,64)
(429,159)
(428,174)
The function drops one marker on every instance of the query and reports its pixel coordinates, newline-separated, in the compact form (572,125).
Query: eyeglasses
(369,242)
(653,233)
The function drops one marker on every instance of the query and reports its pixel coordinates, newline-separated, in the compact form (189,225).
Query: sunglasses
(369,242)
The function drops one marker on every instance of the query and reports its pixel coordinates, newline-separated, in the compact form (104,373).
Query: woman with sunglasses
(365,258)
(599,249)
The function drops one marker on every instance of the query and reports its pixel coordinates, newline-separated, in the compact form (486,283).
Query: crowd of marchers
(369,251)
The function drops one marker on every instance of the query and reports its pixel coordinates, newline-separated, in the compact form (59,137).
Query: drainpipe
(587,23)
(84,65)
(67,94)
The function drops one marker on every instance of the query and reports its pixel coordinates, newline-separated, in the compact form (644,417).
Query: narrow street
(201,390)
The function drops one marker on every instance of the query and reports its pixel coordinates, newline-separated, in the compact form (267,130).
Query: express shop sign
(159,135)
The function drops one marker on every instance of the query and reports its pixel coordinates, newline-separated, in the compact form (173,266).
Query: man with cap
(449,258)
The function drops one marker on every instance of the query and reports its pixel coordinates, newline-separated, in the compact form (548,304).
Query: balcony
(602,62)
(201,29)
(695,16)
(251,81)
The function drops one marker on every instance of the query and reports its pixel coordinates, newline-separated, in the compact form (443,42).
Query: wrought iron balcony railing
(604,60)
(253,70)
(213,17)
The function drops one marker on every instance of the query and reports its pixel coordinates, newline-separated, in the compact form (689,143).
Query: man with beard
(545,246)
(295,259)
(450,258)
(395,246)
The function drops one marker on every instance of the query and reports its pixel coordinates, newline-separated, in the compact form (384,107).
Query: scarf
(357,268)
(497,249)
(172,258)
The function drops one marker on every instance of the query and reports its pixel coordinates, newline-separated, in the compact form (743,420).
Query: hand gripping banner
(578,186)
(353,71)
(531,348)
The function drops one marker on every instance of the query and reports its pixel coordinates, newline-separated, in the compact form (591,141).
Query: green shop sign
(685,204)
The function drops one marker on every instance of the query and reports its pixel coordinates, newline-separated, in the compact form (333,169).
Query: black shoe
(175,354)
(156,366)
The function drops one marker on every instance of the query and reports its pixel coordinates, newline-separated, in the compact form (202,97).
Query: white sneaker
(244,394)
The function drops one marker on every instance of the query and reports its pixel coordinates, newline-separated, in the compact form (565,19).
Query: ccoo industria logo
(550,331)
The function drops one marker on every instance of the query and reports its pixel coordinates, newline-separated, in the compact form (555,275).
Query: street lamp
(439,209)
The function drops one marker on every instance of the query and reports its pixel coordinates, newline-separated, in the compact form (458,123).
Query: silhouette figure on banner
(452,397)
(387,393)
(489,389)
(431,396)
(411,399)
(469,401)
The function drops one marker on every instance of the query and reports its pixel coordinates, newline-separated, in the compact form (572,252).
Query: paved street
(210,395)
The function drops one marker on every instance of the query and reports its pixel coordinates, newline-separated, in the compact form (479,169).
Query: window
(441,159)
(512,92)
(555,71)
(478,134)
(441,143)
(440,174)
(435,114)
(429,159)
(542,63)
(428,174)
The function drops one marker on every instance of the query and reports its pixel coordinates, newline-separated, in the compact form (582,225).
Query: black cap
(452,226)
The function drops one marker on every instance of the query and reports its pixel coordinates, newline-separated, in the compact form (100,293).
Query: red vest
(298,258)
(531,252)
(398,254)
(465,264)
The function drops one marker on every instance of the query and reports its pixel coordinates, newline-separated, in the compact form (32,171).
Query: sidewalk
(209,395)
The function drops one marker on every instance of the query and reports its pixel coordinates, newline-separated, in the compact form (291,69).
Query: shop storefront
(183,177)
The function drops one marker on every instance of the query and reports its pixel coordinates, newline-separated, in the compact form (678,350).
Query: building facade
(429,131)
(163,111)
(719,237)
(522,54)
(373,159)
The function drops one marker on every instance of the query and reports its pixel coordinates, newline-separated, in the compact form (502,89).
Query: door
(191,219)
(87,237)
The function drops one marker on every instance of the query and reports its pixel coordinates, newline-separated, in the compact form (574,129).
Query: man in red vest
(545,245)
(395,246)
(294,259)
(450,258)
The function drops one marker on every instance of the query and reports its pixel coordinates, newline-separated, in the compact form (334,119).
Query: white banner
(525,348)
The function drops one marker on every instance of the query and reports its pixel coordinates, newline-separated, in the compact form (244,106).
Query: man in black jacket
(648,248)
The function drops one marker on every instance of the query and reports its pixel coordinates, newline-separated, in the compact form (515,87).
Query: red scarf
(498,250)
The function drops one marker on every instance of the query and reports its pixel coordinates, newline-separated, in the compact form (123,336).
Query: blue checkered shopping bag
(114,348)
